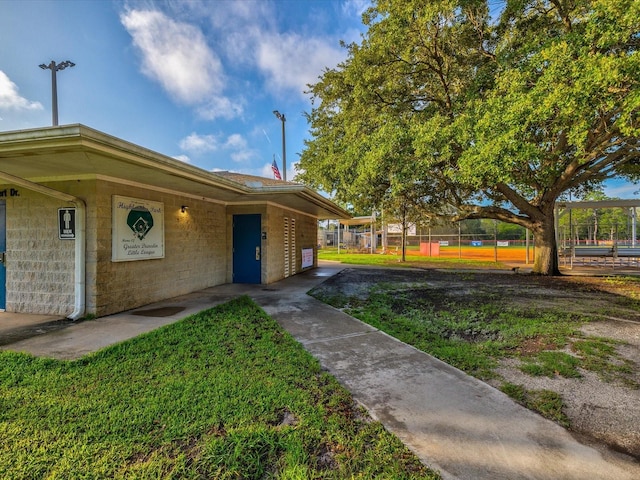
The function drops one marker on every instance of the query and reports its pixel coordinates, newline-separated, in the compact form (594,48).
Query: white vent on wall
(287,267)
(292,243)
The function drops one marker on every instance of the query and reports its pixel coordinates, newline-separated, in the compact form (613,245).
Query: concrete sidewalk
(453,422)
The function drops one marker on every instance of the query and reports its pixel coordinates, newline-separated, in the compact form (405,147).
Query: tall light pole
(282,118)
(54,85)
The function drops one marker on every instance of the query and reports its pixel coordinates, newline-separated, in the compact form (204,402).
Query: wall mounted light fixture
(184,209)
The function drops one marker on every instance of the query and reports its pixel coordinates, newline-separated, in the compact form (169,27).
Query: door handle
(3,257)
(258,253)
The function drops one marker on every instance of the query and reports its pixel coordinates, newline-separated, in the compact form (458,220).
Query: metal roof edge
(324,202)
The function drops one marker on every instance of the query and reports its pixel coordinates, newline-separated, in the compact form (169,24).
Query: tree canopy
(481,117)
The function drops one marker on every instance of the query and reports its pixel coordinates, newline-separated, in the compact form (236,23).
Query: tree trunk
(546,260)
(404,234)
(404,241)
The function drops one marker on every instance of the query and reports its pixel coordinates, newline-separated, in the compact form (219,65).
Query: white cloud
(200,143)
(183,158)
(177,56)
(220,107)
(243,156)
(234,145)
(10,99)
(266,171)
(245,34)
(234,26)
(197,51)
(236,141)
(292,62)
(356,7)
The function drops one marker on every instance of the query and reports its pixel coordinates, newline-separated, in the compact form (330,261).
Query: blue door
(247,247)
(3,249)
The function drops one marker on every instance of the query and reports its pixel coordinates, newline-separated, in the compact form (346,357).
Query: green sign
(138,229)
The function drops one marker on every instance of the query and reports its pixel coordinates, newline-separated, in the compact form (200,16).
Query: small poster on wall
(138,229)
(307,257)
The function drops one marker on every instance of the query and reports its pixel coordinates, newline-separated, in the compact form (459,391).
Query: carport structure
(354,239)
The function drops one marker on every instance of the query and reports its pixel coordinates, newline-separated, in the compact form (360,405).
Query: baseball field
(510,254)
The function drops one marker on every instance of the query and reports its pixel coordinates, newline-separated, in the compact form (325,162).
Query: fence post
(495,241)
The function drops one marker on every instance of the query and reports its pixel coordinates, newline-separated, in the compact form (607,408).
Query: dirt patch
(603,410)
(13,335)
(159,312)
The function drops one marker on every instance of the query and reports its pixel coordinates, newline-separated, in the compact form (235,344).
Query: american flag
(276,172)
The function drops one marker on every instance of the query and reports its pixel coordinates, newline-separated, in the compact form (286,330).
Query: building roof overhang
(75,152)
(366,220)
(627,203)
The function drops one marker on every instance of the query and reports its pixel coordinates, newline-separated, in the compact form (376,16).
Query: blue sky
(197,80)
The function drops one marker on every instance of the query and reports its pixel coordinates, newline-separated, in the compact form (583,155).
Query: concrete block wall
(273,258)
(307,238)
(198,249)
(195,246)
(40,267)
(306,228)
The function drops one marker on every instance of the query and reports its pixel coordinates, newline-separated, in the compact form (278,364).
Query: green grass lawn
(472,338)
(395,260)
(225,393)
(478,330)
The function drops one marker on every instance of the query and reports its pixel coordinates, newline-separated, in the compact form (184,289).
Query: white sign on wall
(397,228)
(307,257)
(138,229)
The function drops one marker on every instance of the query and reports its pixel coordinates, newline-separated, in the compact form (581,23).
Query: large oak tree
(485,118)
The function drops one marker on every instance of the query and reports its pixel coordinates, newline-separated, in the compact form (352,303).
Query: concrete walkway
(453,422)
